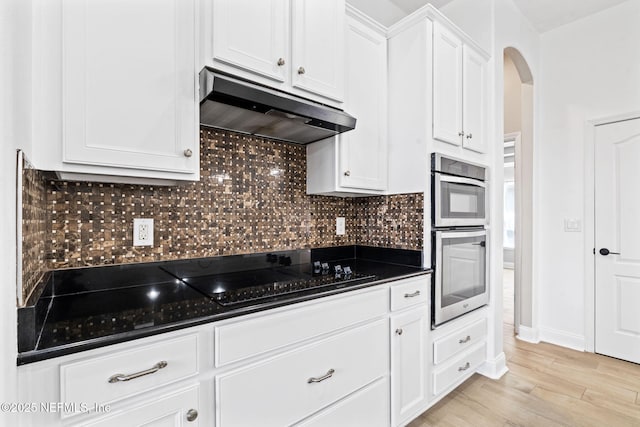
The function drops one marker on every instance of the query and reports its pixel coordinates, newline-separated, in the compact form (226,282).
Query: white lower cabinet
(173,410)
(409,362)
(288,388)
(362,358)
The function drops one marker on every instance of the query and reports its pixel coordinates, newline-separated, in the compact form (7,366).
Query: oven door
(458,201)
(460,280)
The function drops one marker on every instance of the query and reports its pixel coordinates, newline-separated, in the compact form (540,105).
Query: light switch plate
(340,226)
(572,225)
(143,232)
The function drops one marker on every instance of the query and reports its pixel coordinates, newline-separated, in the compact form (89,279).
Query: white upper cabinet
(363,151)
(293,45)
(447,85)
(129,104)
(458,91)
(473,83)
(252,35)
(355,162)
(317,50)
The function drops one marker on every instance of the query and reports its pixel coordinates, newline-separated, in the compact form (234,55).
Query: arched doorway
(518,191)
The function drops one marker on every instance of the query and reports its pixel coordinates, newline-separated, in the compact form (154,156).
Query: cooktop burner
(284,280)
(261,292)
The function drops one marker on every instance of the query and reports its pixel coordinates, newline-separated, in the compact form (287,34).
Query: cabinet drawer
(169,410)
(410,292)
(90,381)
(459,340)
(458,368)
(278,392)
(367,407)
(246,338)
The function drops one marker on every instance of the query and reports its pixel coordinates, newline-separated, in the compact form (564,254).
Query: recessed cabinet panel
(129,86)
(447,86)
(252,35)
(363,151)
(474,70)
(317,45)
(409,392)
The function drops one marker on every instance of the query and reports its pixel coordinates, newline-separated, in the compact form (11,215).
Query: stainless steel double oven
(459,238)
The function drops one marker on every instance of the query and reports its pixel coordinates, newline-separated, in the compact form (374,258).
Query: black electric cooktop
(281,281)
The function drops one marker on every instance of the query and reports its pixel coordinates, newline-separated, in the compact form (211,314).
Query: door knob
(280,62)
(188,152)
(192,414)
(605,252)
(301,70)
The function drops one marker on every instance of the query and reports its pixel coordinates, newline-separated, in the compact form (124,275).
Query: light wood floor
(546,385)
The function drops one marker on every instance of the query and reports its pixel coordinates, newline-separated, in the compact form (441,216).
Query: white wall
(15,131)
(590,70)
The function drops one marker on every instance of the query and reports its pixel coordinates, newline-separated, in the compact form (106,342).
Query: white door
(617,221)
(408,363)
(473,99)
(318,47)
(363,151)
(129,84)
(447,86)
(252,35)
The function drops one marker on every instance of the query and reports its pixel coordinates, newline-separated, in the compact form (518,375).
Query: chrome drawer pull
(415,294)
(326,376)
(122,377)
(465,340)
(465,367)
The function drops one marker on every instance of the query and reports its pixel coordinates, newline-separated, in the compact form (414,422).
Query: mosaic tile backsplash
(251,197)
(34,228)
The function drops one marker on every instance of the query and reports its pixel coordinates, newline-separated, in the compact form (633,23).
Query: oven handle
(461,234)
(461,180)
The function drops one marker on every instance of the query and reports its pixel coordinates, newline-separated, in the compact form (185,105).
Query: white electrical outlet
(143,232)
(340,226)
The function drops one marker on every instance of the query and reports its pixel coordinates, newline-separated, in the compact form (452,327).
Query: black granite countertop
(86,308)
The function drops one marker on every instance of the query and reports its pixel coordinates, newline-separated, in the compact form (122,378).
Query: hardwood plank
(584,413)
(611,403)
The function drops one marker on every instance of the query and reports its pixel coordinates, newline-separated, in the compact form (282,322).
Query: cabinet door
(252,35)
(363,151)
(447,86)
(129,84)
(409,391)
(174,410)
(318,47)
(473,89)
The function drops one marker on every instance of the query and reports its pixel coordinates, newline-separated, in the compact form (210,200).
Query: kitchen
(368,190)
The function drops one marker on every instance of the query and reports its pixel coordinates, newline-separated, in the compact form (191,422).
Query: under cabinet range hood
(236,104)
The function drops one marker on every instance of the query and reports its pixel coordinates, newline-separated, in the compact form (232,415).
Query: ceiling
(544,15)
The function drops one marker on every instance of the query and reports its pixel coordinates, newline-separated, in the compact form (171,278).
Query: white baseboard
(495,368)
(562,338)
(528,334)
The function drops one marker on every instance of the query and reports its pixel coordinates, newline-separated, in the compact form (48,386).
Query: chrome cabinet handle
(469,136)
(415,294)
(465,367)
(280,62)
(122,377)
(326,376)
(188,152)
(399,331)
(301,70)
(192,414)
(461,133)
(347,173)
(465,339)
